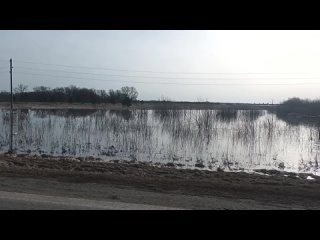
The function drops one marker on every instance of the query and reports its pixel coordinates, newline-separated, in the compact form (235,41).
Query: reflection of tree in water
(125,114)
(124,130)
(194,134)
(64,113)
(5,116)
(4,129)
(206,126)
(168,115)
(175,122)
(252,115)
(190,126)
(23,120)
(227,115)
(171,119)
(201,126)
(298,119)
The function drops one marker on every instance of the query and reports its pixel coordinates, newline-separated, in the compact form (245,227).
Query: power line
(168,83)
(155,77)
(146,71)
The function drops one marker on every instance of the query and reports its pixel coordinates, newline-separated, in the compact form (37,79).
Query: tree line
(72,94)
(301,106)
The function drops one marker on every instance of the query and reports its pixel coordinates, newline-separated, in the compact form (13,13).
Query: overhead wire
(146,71)
(166,83)
(156,77)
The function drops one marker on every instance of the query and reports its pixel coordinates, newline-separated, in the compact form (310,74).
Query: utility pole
(11,110)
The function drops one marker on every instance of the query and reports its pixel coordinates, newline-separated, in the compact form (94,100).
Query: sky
(218,66)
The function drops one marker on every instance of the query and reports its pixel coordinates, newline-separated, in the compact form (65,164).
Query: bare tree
(21,88)
(125,96)
(130,92)
(41,89)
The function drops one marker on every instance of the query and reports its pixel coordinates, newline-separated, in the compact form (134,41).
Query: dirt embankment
(274,188)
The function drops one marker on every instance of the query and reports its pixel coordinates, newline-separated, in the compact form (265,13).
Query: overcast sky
(221,66)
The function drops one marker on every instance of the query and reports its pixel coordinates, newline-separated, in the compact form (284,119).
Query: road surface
(24,201)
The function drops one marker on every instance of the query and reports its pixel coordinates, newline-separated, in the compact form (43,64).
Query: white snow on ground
(310,178)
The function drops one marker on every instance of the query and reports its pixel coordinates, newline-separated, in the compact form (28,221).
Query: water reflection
(227,115)
(63,113)
(224,140)
(298,119)
(125,114)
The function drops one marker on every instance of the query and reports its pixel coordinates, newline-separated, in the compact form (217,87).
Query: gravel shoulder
(134,182)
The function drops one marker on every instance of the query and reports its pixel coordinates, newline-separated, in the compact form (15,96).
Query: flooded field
(222,140)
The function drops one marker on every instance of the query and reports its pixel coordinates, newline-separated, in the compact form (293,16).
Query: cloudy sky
(220,66)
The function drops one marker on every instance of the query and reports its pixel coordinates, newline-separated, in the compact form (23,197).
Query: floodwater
(228,140)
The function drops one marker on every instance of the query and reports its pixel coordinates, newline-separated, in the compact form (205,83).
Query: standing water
(230,140)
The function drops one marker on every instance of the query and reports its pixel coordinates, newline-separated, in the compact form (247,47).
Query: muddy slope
(272,188)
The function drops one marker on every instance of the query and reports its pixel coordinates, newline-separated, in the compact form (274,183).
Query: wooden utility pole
(11,111)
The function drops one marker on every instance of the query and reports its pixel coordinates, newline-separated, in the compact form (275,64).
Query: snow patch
(310,178)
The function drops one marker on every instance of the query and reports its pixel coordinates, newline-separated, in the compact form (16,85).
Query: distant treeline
(71,94)
(300,106)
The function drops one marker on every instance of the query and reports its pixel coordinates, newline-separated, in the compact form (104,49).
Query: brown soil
(272,189)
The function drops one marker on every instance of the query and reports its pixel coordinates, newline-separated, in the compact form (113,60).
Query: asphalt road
(24,201)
